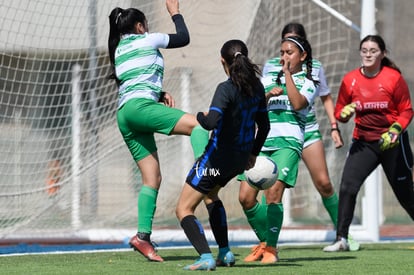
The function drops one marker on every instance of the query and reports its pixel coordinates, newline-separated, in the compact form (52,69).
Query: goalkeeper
(378,96)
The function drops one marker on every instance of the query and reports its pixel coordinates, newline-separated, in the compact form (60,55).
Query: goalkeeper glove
(389,139)
(348,111)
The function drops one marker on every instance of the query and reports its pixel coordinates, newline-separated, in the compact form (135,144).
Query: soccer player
(379,97)
(138,70)
(238,105)
(313,153)
(290,92)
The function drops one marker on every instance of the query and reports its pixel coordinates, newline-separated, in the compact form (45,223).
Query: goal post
(76,140)
(372,203)
(337,15)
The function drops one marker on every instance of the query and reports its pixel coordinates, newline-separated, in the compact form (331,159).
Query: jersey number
(248,126)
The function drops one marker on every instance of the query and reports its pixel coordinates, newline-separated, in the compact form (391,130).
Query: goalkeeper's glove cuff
(389,139)
(395,128)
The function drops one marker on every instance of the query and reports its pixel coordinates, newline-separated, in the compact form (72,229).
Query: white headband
(294,41)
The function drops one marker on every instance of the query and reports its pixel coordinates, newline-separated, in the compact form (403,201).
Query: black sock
(144,236)
(218,223)
(195,234)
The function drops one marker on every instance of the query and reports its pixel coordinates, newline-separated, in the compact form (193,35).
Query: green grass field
(382,258)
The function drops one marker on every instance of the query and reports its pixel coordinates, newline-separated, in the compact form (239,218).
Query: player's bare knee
(246,202)
(325,189)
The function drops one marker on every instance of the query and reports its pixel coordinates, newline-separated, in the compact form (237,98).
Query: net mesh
(43,40)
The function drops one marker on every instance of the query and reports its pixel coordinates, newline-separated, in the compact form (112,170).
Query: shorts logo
(274,229)
(285,171)
(210,172)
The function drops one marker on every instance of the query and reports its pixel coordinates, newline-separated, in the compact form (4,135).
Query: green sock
(199,139)
(331,205)
(256,216)
(147,201)
(274,223)
(263,198)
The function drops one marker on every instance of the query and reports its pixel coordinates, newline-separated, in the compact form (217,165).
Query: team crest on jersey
(300,80)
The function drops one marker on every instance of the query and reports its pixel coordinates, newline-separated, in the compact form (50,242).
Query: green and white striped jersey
(321,90)
(139,66)
(287,125)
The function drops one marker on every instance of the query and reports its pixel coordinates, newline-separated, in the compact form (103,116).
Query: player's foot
(338,245)
(205,262)
(225,259)
(269,255)
(145,248)
(353,245)
(256,253)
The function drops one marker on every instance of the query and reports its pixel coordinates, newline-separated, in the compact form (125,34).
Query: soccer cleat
(353,245)
(338,245)
(226,259)
(207,263)
(269,255)
(256,253)
(145,248)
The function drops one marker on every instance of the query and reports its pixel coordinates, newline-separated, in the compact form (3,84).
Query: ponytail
(389,63)
(243,73)
(114,34)
(121,21)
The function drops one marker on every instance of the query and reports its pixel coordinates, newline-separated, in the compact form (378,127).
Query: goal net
(65,171)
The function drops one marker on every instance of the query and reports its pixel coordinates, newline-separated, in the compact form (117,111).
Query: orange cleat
(145,248)
(269,255)
(257,253)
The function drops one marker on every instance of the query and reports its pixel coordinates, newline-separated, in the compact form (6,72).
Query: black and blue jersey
(233,119)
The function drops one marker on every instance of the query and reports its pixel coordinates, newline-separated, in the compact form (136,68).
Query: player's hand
(168,100)
(336,137)
(276,91)
(172,7)
(348,111)
(389,139)
(285,66)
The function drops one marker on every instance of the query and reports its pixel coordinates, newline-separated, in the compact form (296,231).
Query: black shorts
(216,169)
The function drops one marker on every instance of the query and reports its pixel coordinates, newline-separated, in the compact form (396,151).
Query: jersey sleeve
(403,103)
(344,98)
(266,68)
(182,37)
(272,67)
(323,89)
(216,110)
(158,40)
(308,90)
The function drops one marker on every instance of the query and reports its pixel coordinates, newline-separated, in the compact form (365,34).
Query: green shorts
(311,137)
(138,120)
(287,161)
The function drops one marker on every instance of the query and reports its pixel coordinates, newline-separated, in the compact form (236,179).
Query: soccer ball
(264,173)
